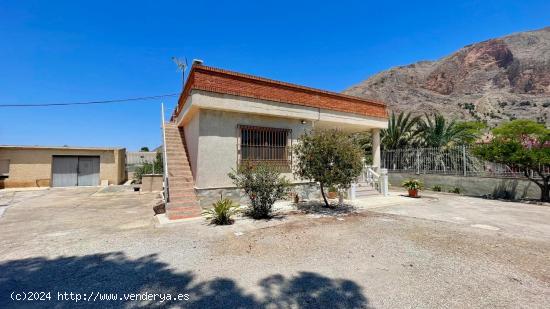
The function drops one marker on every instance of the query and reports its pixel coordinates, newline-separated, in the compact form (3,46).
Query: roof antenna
(182,65)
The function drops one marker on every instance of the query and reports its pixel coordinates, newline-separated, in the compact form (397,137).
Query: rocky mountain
(495,80)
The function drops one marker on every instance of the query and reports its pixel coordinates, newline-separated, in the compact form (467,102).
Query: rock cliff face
(495,80)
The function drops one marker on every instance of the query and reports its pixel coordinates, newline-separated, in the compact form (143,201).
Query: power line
(94,102)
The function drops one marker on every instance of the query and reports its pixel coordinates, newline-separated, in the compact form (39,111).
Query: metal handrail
(375,174)
(164,155)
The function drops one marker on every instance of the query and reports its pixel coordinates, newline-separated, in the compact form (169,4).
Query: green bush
(156,167)
(263,185)
(221,212)
(455,190)
(436,188)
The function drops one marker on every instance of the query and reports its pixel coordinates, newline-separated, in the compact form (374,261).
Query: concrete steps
(364,189)
(183,199)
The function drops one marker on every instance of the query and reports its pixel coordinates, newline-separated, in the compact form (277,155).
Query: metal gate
(68,171)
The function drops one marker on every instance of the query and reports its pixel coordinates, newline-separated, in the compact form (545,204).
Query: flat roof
(59,147)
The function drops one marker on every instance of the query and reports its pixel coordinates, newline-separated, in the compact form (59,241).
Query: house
(224,118)
(44,166)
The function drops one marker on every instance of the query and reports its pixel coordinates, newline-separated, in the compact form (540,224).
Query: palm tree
(364,141)
(435,131)
(401,132)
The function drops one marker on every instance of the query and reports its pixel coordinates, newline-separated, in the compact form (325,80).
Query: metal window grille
(265,145)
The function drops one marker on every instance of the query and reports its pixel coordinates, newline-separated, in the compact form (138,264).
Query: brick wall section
(227,82)
(183,200)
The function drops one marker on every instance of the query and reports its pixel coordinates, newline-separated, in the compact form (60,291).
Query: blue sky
(67,51)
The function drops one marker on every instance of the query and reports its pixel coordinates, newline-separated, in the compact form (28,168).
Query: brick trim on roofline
(227,82)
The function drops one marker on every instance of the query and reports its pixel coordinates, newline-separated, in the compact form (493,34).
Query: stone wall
(151,183)
(473,186)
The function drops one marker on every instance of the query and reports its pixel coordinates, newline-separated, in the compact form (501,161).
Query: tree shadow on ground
(311,290)
(318,207)
(115,273)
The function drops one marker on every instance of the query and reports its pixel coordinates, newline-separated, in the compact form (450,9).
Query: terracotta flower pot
(413,192)
(331,195)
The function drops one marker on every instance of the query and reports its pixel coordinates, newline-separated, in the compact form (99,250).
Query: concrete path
(517,219)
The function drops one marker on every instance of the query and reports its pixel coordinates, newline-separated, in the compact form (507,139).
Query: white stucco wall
(211,119)
(217,148)
(191,130)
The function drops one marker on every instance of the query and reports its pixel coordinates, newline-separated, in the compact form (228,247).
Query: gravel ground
(85,241)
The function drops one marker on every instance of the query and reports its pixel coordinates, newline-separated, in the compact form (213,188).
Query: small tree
(523,144)
(155,167)
(263,185)
(144,148)
(329,157)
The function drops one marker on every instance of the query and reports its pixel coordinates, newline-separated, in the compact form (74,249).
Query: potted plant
(332,192)
(413,185)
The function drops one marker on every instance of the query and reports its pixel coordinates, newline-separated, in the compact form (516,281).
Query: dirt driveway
(95,244)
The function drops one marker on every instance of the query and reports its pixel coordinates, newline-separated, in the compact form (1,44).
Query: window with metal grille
(265,145)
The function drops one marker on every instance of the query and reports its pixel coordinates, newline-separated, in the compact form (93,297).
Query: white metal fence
(457,160)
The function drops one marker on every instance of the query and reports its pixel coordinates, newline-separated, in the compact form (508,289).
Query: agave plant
(401,131)
(221,212)
(435,131)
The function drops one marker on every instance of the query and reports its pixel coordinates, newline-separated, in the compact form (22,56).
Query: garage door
(68,171)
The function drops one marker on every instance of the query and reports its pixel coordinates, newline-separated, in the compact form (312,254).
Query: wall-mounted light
(303,121)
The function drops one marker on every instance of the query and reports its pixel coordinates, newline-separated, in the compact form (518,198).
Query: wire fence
(458,160)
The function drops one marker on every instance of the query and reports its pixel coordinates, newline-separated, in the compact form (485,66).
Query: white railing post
(417,162)
(164,156)
(464,159)
(383,181)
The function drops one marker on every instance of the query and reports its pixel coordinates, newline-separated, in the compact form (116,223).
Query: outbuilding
(45,166)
